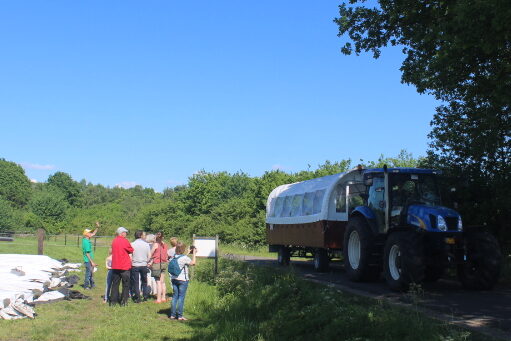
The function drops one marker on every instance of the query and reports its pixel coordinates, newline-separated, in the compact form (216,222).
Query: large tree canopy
(460,52)
(65,183)
(14,184)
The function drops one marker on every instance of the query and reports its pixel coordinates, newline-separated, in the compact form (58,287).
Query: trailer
(386,221)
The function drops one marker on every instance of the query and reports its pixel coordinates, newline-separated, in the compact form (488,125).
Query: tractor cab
(413,199)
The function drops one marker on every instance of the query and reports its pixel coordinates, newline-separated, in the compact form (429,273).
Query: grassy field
(242,303)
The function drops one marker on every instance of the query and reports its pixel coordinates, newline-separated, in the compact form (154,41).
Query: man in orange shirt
(121,266)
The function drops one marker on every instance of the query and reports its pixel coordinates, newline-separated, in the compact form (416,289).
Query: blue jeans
(178,297)
(88,282)
(108,284)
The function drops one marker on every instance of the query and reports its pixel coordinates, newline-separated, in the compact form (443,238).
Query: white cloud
(126,184)
(37,166)
(34,181)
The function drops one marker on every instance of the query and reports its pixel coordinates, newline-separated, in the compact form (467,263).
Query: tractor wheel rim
(354,250)
(394,267)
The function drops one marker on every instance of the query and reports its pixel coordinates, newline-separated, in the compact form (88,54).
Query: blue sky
(131,92)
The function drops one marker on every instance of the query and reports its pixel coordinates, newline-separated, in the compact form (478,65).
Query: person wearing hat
(121,266)
(88,256)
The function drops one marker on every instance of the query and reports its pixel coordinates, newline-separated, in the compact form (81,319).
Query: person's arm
(96,230)
(128,247)
(193,262)
(149,254)
(90,259)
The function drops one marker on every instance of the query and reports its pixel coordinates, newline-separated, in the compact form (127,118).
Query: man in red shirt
(121,266)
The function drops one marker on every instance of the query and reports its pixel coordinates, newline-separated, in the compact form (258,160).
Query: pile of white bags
(26,279)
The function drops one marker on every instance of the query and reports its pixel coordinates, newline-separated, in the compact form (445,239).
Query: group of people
(141,267)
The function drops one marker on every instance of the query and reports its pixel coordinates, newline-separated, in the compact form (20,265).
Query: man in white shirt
(139,269)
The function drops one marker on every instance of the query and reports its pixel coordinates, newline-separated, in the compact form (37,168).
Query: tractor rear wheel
(361,260)
(481,270)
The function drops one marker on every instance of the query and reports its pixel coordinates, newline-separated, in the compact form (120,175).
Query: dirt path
(488,312)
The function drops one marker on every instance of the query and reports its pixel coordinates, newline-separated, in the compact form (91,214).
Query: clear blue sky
(124,92)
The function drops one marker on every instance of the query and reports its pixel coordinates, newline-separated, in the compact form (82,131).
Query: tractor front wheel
(403,260)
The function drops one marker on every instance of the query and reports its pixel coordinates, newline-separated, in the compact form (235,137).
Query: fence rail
(62,240)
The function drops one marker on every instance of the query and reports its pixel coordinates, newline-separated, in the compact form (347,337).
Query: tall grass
(242,302)
(266,304)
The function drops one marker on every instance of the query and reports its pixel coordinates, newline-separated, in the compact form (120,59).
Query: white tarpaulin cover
(308,201)
(26,276)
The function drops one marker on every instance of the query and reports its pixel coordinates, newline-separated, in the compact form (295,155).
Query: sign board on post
(207,247)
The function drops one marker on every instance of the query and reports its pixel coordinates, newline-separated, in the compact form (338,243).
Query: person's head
(173,241)
(159,237)
(181,249)
(122,231)
(139,234)
(87,233)
(150,238)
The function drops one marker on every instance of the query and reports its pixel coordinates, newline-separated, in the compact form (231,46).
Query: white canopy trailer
(312,215)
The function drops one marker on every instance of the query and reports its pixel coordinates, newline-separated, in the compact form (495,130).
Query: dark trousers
(117,276)
(139,282)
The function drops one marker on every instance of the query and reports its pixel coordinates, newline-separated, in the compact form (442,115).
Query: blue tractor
(398,226)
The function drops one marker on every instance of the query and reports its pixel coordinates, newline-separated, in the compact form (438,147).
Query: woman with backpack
(158,264)
(180,275)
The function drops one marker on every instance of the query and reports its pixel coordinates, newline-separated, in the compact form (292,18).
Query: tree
(65,183)
(50,205)
(7,216)
(460,52)
(14,184)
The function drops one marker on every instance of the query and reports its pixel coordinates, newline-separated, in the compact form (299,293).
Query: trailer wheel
(321,260)
(361,260)
(403,260)
(284,255)
(481,270)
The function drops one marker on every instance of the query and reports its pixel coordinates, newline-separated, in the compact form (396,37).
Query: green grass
(237,249)
(243,302)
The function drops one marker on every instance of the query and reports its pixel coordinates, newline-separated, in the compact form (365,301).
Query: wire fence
(59,240)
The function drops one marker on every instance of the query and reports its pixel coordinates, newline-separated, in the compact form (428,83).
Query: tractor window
(411,189)
(376,199)
(356,196)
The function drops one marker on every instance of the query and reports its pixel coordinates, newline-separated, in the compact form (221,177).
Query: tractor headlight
(442,226)
(460,224)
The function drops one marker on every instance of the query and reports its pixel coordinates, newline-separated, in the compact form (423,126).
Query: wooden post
(40,241)
(95,241)
(216,254)
(65,239)
(78,241)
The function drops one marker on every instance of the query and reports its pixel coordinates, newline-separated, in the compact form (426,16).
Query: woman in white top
(108,266)
(151,282)
(180,282)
